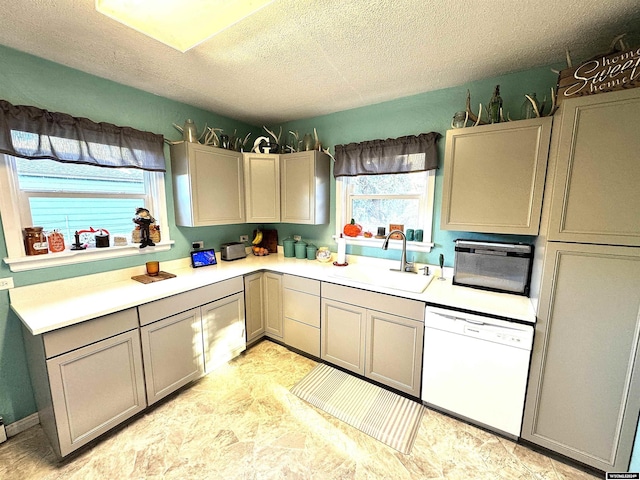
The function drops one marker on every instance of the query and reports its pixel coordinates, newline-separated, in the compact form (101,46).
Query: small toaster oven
(500,267)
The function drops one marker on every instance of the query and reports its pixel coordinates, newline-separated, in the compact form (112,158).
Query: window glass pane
(71,214)
(51,176)
(372,213)
(397,184)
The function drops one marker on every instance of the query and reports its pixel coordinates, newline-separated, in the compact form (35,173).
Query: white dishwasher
(476,367)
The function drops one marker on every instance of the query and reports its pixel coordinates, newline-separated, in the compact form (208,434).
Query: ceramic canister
(288,244)
(311,252)
(301,249)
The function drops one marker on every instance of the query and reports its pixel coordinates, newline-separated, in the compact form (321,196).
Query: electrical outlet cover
(6,283)
(244,238)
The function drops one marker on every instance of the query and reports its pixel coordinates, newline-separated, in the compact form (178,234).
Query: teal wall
(28,80)
(426,112)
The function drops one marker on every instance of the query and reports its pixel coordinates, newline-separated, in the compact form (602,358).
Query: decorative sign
(618,71)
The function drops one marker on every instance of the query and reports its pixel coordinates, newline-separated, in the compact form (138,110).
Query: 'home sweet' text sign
(617,71)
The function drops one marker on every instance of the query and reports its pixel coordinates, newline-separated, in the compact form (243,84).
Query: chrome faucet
(404,266)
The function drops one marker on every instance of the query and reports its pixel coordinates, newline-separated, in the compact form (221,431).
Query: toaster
(232,251)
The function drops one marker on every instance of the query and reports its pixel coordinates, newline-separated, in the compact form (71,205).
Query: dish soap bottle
(495,106)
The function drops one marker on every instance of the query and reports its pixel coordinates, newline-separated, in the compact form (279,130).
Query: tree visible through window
(380,200)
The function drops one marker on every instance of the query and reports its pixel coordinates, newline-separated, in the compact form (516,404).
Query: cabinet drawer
(302,284)
(150,312)
(76,336)
(302,307)
(302,336)
(413,309)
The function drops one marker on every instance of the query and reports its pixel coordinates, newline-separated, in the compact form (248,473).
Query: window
(73,197)
(69,174)
(70,197)
(384,182)
(380,200)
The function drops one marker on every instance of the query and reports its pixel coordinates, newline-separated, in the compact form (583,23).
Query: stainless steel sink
(381,277)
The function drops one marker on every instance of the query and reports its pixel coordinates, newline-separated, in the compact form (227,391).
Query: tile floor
(241,422)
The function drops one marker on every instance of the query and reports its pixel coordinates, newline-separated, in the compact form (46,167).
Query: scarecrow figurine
(144,219)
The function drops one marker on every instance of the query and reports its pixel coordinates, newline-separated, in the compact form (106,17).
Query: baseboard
(21,425)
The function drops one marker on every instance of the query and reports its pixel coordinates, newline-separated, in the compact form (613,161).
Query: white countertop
(48,306)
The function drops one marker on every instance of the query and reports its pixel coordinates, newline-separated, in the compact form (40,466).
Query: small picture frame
(394,226)
(203,258)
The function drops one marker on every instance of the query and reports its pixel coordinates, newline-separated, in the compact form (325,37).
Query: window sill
(71,257)
(393,244)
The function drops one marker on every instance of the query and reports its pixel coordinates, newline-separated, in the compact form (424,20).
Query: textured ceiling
(302,58)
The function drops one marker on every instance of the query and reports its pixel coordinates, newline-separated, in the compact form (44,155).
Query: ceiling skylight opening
(180,24)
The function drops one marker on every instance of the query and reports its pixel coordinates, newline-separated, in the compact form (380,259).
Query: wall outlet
(244,238)
(6,283)
(199,245)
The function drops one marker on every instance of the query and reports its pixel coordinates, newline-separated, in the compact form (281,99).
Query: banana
(258,238)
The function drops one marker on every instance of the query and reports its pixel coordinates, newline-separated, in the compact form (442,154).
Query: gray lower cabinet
(272,284)
(263,301)
(87,378)
(376,335)
(253,299)
(393,351)
(223,330)
(301,307)
(172,351)
(583,397)
(180,333)
(343,330)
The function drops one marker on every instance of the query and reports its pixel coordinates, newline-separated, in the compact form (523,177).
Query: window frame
(343,210)
(12,201)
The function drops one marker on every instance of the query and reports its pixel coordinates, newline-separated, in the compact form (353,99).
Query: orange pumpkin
(352,229)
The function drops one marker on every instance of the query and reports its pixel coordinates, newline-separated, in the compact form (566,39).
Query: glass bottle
(527,111)
(189,132)
(495,105)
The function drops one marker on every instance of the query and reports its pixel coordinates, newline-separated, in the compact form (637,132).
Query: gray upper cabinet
(262,187)
(494,177)
(208,185)
(596,198)
(304,187)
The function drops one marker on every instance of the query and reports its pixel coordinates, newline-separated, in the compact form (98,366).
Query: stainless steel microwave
(500,267)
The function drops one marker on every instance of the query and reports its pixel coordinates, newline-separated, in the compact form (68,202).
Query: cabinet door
(494,177)
(254,315)
(172,352)
(583,397)
(342,337)
(262,187)
(223,330)
(95,388)
(394,351)
(272,305)
(302,314)
(208,185)
(304,187)
(596,198)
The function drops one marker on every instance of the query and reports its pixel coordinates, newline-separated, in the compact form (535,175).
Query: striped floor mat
(385,416)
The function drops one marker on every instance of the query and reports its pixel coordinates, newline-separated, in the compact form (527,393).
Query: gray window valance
(33,133)
(413,153)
